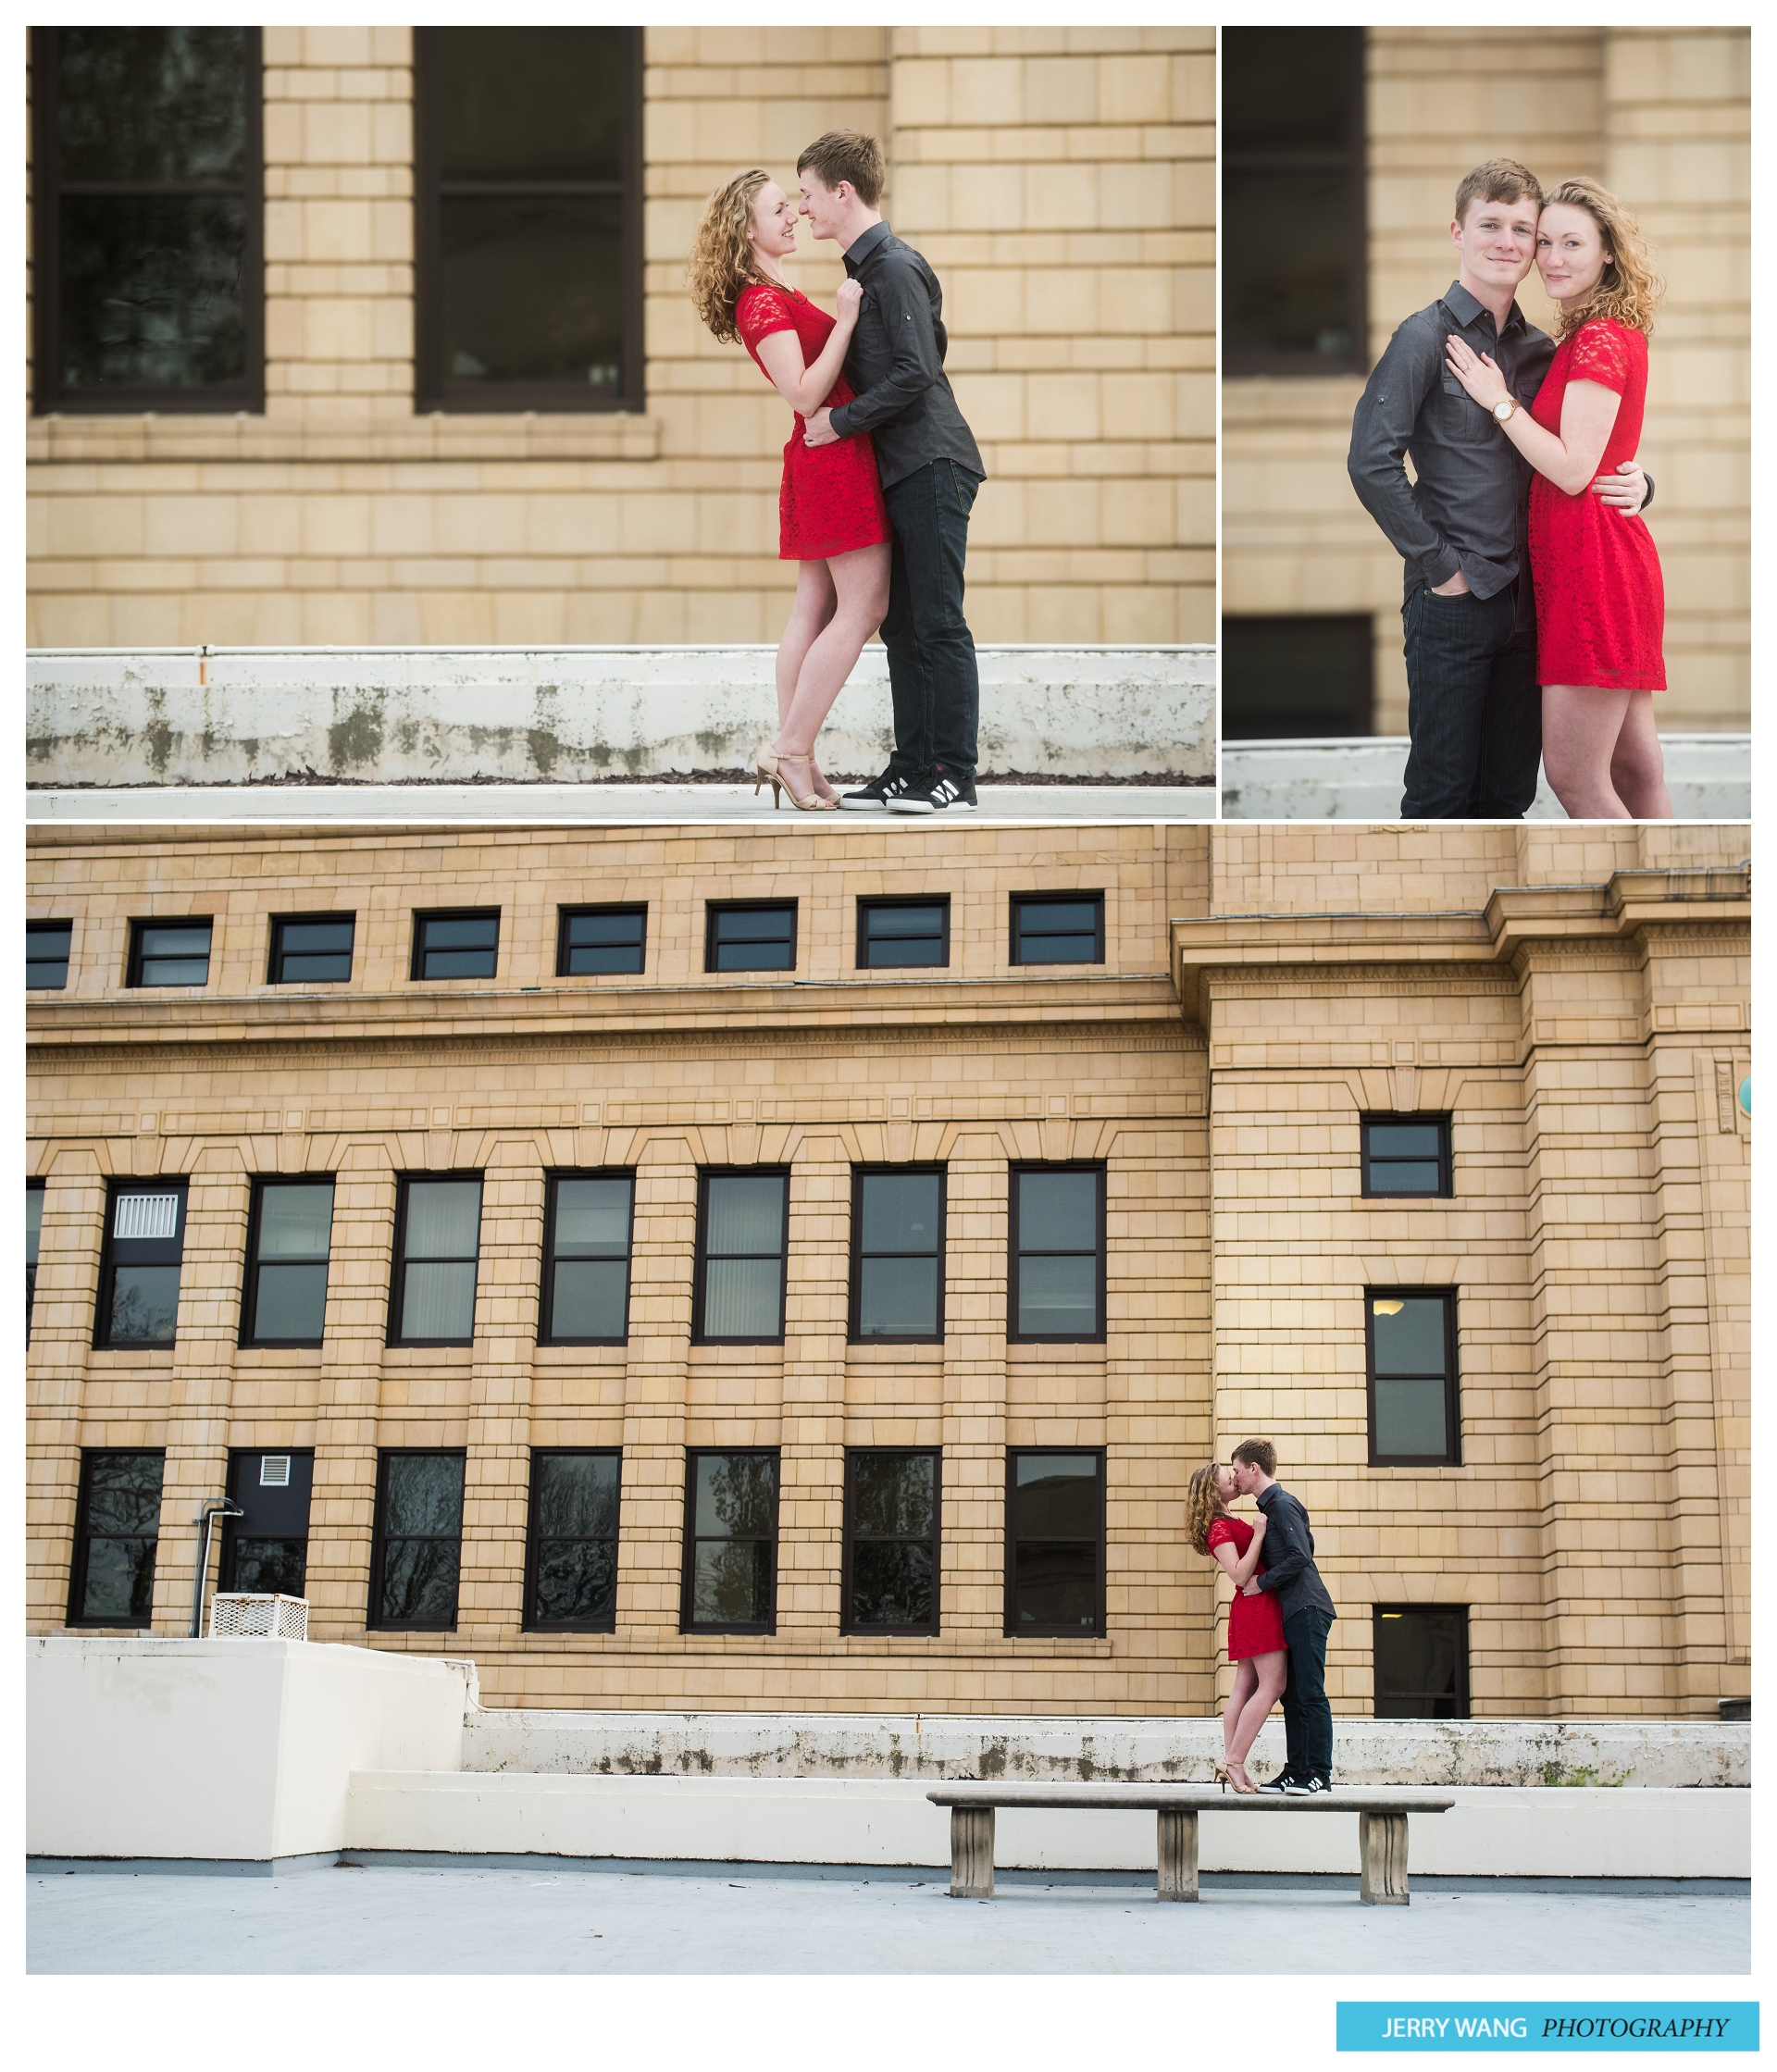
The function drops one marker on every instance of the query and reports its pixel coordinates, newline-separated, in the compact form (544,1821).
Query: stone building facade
(1059,179)
(1570,1005)
(1663,117)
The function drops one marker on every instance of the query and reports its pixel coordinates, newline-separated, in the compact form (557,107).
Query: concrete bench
(1382,1828)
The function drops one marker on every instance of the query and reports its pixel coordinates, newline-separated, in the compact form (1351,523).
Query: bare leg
(861,584)
(1637,764)
(1245,1677)
(1270,1671)
(1580,728)
(809,614)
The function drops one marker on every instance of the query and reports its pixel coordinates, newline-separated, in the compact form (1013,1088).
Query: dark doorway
(1304,677)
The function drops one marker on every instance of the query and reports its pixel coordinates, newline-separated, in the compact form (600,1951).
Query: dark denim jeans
(1474,708)
(932,674)
(1308,1719)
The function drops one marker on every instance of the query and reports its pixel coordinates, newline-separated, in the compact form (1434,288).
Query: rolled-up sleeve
(1382,429)
(915,363)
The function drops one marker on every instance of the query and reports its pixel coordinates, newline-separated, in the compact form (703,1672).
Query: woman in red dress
(832,522)
(1256,1644)
(1600,601)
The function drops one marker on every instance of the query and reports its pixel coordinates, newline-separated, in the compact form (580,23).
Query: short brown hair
(1257,1453)
(1501,180)
(847,154)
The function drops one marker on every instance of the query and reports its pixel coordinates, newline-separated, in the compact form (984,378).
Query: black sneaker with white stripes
(1308,1787)
(1279,1785)
(936,791)
(873,796)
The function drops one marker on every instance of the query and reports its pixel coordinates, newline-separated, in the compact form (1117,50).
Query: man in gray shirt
(930,468)
(1290,1572)
(1474,707)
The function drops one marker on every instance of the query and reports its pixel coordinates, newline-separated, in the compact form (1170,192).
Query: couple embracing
(879,476)
(1278,1623)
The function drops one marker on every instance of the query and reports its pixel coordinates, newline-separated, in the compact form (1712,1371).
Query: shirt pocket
(1461,420)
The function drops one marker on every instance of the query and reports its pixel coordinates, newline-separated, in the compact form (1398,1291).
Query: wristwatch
(1506,411)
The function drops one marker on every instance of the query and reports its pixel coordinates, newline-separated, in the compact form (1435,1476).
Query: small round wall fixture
(1745,1095)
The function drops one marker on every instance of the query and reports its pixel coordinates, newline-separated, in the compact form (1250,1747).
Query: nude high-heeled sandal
(769,764)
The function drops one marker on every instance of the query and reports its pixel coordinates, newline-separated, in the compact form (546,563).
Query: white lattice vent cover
(243,1615)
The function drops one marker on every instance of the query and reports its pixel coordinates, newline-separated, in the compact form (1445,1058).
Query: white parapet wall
(235,1750)
(109,717)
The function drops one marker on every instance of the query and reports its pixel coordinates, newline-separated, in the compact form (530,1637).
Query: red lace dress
(831,497)
(1255,1624)
(1601,601)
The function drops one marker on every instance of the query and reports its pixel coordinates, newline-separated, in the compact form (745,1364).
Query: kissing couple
(1277,1625)
(880,473)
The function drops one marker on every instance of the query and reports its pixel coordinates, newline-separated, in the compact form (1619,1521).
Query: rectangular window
(47,947)
(892,1541)
(457,945)
(1422,1661)
(149,183)
(438,1240)
(1406,1155)
(1298,676)
(756,937)
(116,1528)
(33,1234)
(898,932)
(730,1585)
(170,953)
(1057,929)
(1293,281)
(572,1553)
(587,1225)
(528,197)
(311,949)
(898,1253)
(416,1551)
(1054,1541)
(742,1220)
(290,1229)
(267,1548)
(1057,1277)
(144,1243)
(1410,1340)
(597,940)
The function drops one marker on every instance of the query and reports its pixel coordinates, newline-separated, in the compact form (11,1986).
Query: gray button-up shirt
(896,363)
(1289,1555)
(1467,509)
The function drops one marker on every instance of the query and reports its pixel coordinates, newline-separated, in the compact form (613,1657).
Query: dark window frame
(432,390)
(228,1563)
(1014,1631)
(276,953)
(1452,1457)
(48,396)
(565,915)
(1013,1335)
(262,1183)
(1445,1188)
(852,1455)
(179,1183)
(712,909)
(700,1258)
(854,1301)
(546,1335)
(415,969)
(398,1260)
(76,1566)
(872,903)
(133,977)
(380,1542)
(689,1538)
(1014,930)
(534,1545)
(1353,161)
(34,1187)
(1462,1695)
(45,928)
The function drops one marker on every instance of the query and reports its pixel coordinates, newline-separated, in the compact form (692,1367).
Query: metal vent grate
(146,1216)
(274,1470)
(243,1615)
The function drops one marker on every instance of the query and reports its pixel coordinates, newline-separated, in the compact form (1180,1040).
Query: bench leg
(1177,1854)
(1382,1853)
(971,1852)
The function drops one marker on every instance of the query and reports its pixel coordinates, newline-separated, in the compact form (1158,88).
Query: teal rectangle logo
(1548,2025)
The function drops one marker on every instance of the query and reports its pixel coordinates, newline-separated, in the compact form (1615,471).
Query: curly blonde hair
(722,261)
(1203,1506)
(1629,288)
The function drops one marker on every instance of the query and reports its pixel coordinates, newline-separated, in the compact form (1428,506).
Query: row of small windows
(739,936)
(892,1538)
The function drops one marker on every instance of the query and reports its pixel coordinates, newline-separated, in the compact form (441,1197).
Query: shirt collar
(1465,309)
(861,247)
(1265,1494)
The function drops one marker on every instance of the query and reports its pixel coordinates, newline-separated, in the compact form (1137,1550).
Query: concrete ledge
(1709,775)
(232,716)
